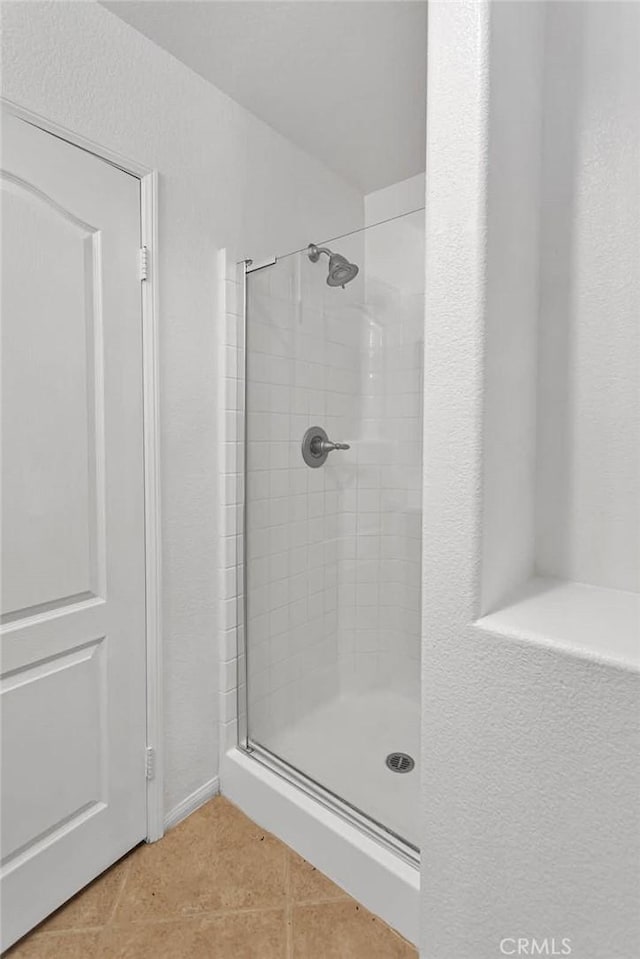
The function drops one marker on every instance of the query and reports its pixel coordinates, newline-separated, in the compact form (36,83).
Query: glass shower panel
(332,540)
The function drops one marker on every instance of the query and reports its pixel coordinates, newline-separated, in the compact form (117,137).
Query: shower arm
(315,251)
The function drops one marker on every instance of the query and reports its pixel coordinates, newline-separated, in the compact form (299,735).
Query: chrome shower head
(341,271)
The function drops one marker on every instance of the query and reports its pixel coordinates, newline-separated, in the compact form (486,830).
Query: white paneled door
(73,561)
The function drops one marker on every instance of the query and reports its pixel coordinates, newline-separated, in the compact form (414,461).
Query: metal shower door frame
(259,753)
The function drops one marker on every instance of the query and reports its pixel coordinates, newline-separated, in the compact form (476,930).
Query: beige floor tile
(257,935)
(216,860)
(152,940)
(72,945)
(308,884)
(94,905)
(344,930)
(214,888)
(249,935)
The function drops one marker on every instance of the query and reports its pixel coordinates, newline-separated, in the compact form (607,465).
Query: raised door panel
(52,452)
(58,706)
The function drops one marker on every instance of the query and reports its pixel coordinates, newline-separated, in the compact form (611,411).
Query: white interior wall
(529,817)
(562,399)
(394,200)
(588,476)
(513,204)
(226,179)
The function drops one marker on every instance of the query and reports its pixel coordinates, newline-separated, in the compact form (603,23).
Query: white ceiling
(344,79)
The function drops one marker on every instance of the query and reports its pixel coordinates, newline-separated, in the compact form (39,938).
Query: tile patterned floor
(216,887)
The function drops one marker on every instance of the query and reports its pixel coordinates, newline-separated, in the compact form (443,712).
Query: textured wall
(226,179)
(512,292)
(588,508)
(562,340)
(529,817)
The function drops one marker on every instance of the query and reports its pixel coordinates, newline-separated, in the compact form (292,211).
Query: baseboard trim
(192,802)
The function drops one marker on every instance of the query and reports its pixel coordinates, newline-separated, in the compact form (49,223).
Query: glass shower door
(333,517)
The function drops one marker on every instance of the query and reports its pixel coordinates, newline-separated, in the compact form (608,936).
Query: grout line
(345,897)
(193,916)
(94,927)
(52,933)
(288,915)
(259,910)
(120,892)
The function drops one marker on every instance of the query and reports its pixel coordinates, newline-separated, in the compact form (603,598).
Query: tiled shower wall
(228,314)
(303,371)
(380,577)
(333,553)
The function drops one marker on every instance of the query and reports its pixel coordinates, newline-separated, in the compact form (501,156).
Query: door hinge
(150,762)
(144,260)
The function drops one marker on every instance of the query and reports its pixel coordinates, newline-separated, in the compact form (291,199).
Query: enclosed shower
(332,541)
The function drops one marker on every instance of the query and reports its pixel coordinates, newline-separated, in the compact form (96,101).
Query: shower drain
(400,762)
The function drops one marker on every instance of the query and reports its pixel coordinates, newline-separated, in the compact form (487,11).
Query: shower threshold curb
(379,877)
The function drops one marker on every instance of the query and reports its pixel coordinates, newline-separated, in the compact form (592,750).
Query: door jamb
(151,443)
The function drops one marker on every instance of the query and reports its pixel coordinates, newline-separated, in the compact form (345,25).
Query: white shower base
(377,876)
(342,745)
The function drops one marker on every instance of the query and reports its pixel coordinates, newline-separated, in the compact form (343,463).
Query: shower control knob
(320,446)
(316,446)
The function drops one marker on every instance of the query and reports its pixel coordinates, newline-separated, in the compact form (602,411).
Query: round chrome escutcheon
(312,452)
